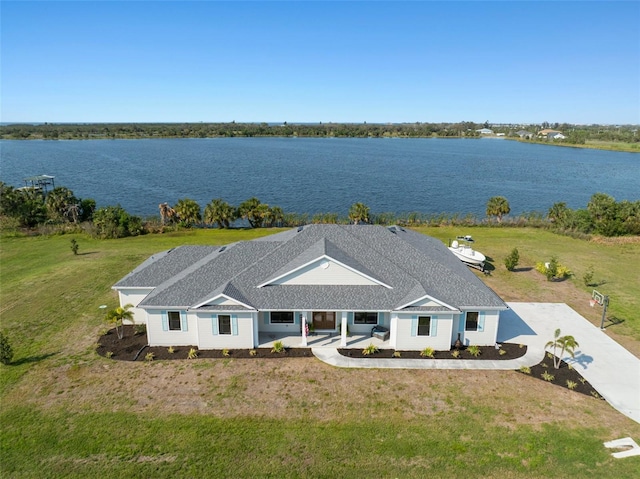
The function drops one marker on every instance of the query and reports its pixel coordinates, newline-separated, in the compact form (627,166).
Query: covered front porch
(320,340)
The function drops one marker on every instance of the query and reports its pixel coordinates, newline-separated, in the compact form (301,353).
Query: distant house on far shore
(525,134)
(551,134)
(485,131)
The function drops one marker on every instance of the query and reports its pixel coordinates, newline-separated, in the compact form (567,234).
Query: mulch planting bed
(562,377)
(131,344)
(512,351)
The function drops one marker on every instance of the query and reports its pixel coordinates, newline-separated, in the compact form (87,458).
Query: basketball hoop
(602,300)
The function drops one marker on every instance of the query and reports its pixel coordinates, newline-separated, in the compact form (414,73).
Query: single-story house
(335,279)
(485,131)
(524,134)
(551,134)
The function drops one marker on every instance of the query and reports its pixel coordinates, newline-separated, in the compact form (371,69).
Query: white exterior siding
(324,271)
(243,329)
(442,324)
(134,296)
(487,329)
(157,336)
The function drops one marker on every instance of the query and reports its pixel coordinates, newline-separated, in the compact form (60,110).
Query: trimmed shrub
(512,260)
(6,352)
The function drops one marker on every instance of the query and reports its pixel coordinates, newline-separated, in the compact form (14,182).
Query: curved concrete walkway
(333,357)
(611,369)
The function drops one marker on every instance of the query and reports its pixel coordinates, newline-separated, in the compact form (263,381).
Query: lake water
(309,175)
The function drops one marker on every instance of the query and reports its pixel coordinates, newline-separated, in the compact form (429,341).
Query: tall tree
(498,206)
(115,222)
(359,213)
(220,212)
(167,213)
(61,204)
(604,213)
(253,211)
(188,211)
(274,217)
(558,213)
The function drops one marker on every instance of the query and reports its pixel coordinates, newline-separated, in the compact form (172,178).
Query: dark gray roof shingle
(412,264)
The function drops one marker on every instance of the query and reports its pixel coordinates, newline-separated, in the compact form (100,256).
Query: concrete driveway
(612,370)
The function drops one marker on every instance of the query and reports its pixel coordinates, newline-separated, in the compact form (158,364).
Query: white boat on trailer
(468,255)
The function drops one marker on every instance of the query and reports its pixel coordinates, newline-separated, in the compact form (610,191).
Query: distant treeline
(575,134)
(60,211)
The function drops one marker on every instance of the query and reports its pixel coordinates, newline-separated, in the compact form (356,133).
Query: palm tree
(566,344)
(188,211)
(558,213)
(359,212)
(59,202)
(498,206)
(118,315)
(220,212)
(274,217)
(253,211)
(163,207)
(167,213)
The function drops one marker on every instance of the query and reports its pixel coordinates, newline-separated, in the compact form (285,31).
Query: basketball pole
(602,300)
(605,303)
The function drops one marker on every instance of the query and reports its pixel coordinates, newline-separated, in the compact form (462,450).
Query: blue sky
(505,62)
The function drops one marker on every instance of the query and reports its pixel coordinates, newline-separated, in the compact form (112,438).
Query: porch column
(393,328)
(303,324)
(256,331)
(343,330)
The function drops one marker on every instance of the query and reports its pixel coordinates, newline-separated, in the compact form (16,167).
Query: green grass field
(616,267)
(67,412)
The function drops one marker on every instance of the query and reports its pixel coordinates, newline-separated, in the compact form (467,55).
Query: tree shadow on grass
(88,252)
(32,359)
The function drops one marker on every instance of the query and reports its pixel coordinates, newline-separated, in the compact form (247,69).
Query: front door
(324,320)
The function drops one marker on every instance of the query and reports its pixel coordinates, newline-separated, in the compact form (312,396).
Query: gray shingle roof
(163,266)
(414,265)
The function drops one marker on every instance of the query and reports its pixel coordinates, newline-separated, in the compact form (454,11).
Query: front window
(472,321)
(281,317)
(224,324)
(174,321)
(424,326)
(365,318)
